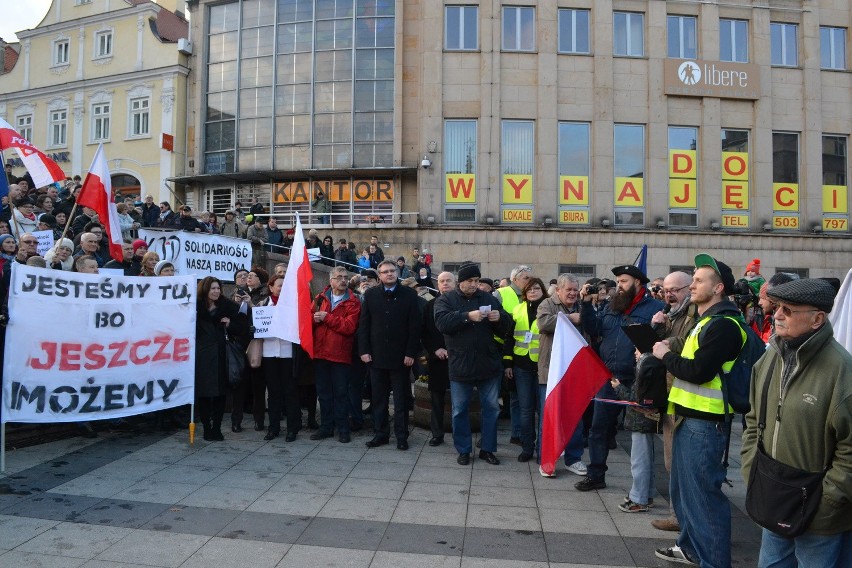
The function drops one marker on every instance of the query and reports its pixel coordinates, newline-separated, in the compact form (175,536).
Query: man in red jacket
(336,313)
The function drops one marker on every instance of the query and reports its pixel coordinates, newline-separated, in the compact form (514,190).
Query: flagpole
(192,423)
(67,224)
(3,447)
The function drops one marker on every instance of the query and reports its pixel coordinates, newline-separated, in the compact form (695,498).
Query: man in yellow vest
(510,297)
(701,425)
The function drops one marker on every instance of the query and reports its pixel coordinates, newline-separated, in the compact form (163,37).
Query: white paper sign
(126,345)
(45,241)
(200,254)
(314,255)
(261,318)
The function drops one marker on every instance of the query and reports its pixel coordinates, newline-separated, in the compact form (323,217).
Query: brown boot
(669,524)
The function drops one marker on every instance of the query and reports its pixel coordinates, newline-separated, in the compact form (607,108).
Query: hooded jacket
(815,426)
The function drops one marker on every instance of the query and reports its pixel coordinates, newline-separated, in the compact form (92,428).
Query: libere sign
(720,79)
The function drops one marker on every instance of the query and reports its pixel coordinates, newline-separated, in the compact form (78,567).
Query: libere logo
(689,73)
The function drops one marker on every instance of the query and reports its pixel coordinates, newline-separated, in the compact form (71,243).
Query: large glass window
(461,28)
(683,176)
(832,48)
(518,28)
(785,180)
(140,116)
(733,40)
(222,79)
(61,51)
(574,166)
(834,164)
(682,42)
(517,164)
(735,179)
(573,31)
(784,41)
(460,171)
(103,44)
(629,34)
(58,127)
(835,185)
(629,169)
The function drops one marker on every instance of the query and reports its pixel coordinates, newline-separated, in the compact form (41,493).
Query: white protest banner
(261,318)
(200,254)
(45,241)
(126,345)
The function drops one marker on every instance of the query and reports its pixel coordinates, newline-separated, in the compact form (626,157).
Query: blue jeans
(527,390)
(603,422)
(642,467)
(574,448)
(461,393)
(357,372)
(332,382)
(515,414)
(807,550)
(696,491)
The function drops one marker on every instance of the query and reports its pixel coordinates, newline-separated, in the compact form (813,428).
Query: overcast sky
(21,15)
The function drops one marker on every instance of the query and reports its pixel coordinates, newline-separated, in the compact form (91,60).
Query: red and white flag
(292,318)
(575,375)
(42,169)
(96,194)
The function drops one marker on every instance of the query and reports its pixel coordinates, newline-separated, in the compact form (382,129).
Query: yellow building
(104,71)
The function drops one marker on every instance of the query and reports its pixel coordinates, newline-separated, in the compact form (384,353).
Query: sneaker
(669,524)
(545,474)
(577,468)
(650,501)
(631,507)
(589,484)
(674,554)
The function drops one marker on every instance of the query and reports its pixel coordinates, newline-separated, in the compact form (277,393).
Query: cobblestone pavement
(127,500)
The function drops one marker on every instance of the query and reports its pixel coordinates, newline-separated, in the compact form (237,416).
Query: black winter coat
(439,372)
(474,354)
(210,375)
(390,325)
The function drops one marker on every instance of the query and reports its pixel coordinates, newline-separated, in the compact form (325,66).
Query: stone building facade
(565,134)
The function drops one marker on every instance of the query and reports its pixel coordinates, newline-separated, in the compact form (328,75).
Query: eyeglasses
(668,291)
(788,312)
(534,289)
(338,278)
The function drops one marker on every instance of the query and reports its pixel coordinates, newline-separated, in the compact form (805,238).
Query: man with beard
(631,304)
(674,322)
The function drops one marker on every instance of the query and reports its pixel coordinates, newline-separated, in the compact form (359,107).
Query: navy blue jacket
(616,349)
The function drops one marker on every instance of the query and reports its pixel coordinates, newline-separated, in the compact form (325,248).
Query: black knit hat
(805,292)
(469,271)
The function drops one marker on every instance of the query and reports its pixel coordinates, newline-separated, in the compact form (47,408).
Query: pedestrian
(437,360)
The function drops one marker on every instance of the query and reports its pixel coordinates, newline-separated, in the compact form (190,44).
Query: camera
(593,289)
(656,289)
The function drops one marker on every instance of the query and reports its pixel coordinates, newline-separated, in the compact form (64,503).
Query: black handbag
(780,498)
(235,360)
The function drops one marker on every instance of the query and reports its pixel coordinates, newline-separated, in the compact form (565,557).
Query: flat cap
(805,292)
(631,270)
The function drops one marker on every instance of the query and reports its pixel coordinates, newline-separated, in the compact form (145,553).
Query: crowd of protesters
(379,324)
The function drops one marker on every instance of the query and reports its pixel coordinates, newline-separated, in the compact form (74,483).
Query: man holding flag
(97,195)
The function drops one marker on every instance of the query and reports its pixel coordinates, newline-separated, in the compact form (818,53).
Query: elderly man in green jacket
(808,421)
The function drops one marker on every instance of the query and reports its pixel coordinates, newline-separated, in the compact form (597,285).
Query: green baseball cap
(723,270)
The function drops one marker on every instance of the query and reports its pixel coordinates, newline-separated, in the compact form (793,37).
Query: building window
(518,28)
(784,43)
(683,176)
(574,166)
(573,31)
(462,28)
(733,40)
(61,50)
(460,151)
(629,34)
(682,42)
(100,122)
(517,164)
(629,167)
(785,181)
(735,179)
(581,271)
(24,125)
(140,112)
(454,266)
(834,160)
(832,47)
(58,127)
(103,44)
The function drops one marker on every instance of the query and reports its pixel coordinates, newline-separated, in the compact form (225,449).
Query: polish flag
(42,169)
(96,194)
(575,375)
(292,318)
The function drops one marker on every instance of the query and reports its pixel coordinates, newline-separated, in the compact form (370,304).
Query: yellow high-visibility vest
(526,338)
(708,396)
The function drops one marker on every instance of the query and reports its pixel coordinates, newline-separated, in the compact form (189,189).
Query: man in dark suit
(437,359)
(389,340)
